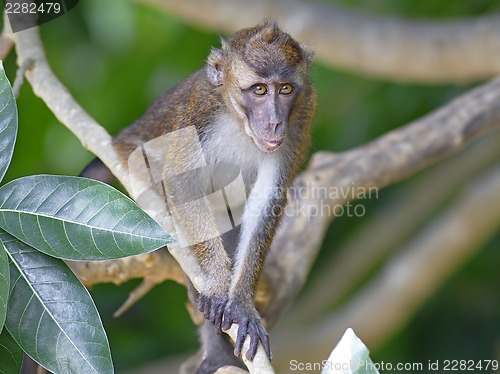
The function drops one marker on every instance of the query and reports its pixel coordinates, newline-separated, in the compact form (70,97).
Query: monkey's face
(267,107)
(260,73)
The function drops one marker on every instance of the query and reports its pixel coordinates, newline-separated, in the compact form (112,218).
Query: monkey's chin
(265,145)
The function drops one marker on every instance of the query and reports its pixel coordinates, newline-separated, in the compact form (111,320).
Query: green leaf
(4,284)
(8,122)
(51,314)
(77,218)
(11,355)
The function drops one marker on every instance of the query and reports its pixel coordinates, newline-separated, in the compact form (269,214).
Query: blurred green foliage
(116,56)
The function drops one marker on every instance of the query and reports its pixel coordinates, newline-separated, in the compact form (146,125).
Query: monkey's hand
(212,308)
(249,323)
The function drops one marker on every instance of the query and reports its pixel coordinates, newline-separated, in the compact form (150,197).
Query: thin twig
(27,64)
(137,294)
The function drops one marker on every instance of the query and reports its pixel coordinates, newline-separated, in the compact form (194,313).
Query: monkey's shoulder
(185,104)
(191,102)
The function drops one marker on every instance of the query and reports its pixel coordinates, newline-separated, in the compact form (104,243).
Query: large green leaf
(8,122)
(51,314)
(4,284)
(11,355)
(77,218)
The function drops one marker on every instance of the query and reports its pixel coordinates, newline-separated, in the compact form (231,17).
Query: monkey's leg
(98,171)
(218,350)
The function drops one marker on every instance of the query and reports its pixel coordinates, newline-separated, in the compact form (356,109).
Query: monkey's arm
(196,230)
(264,208)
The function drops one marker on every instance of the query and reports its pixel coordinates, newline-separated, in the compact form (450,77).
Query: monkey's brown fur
(266,136)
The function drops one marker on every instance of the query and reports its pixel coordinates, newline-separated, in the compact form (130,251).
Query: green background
(116,56)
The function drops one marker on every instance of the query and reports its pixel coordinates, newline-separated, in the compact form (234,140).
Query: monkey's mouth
(268,145)
(273,142)
(264,143)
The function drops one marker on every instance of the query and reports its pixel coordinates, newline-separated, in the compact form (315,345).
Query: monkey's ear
(308,53)
(215,67)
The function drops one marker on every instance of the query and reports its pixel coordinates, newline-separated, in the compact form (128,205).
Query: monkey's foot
(249,323)
(212,308)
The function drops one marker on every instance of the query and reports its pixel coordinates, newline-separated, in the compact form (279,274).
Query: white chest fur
(228,144)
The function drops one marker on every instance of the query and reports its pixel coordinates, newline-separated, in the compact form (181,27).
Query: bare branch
(389,227)
(387,47)
(157,266)
(385,305)
(60,102)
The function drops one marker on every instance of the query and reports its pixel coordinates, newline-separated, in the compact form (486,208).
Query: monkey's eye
(286,89)
(259,89)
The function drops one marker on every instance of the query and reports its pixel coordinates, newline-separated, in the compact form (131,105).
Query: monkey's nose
(273,127)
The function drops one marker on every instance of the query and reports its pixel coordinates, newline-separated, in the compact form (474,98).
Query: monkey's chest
(230,157)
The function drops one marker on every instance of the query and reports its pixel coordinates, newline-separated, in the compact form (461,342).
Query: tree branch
(383,306)
(156,267)
(389,227)
(387,47)
(331,180)
(59,100)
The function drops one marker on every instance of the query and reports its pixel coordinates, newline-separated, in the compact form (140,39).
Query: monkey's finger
(212,312)
(254,343)
(202,305)
(258,332)
(240,339)
(206,312)
(218,318)
(228,320)
(264,338)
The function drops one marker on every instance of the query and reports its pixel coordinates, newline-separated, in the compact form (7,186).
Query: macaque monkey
(252,106)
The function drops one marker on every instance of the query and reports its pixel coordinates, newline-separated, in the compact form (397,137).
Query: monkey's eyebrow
(296,86)
(252,85)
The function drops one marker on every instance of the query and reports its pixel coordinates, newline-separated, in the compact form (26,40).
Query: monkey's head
(262,73)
